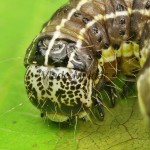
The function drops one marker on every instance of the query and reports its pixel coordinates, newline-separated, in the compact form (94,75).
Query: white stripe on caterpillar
(58,27)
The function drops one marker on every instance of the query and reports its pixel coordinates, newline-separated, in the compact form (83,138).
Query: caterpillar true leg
(128,86)
(98,109)
(111,91)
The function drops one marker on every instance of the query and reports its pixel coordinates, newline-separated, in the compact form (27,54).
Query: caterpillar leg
(111,92)
(98,109)
(143,82)
(98,100)
(128,86)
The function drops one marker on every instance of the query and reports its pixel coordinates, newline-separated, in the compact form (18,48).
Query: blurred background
(20,124)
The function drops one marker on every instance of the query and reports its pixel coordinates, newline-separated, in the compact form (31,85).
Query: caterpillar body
(82,48)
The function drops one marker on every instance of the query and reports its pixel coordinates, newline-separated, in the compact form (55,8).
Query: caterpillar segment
(80,51)
(143,82)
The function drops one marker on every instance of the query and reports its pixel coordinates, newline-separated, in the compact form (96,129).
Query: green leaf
(20,124)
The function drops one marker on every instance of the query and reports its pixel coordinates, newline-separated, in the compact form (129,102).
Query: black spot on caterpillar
(80,51)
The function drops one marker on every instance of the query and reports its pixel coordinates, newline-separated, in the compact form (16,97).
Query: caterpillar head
(62,86)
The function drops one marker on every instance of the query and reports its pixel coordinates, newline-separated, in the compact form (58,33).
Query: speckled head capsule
(62,88)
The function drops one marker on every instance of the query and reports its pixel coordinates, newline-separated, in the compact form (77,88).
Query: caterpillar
(81,50)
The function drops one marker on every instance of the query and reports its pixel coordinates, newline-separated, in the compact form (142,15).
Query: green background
(21,127)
